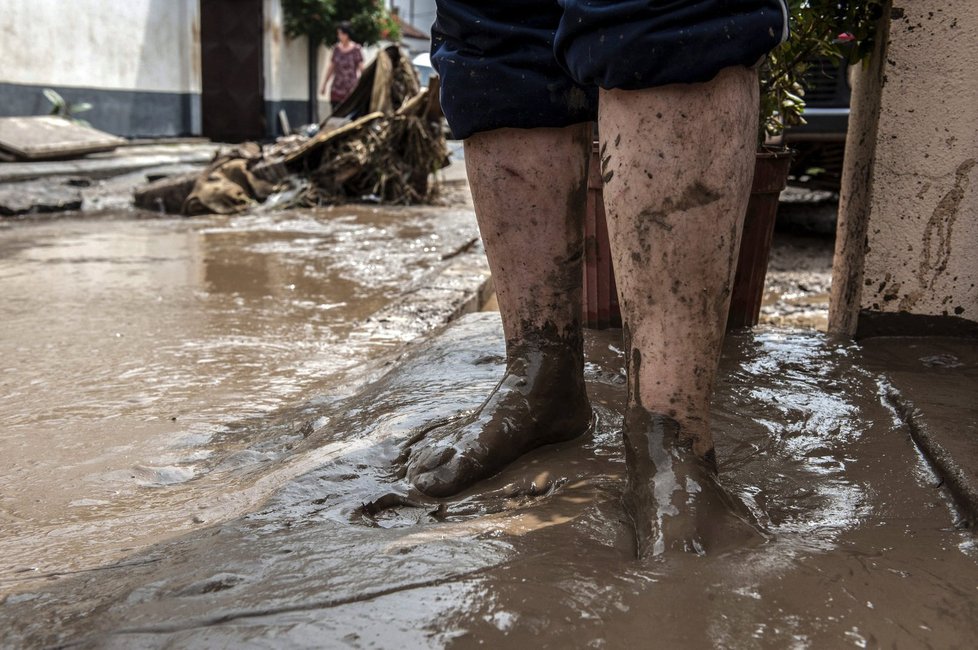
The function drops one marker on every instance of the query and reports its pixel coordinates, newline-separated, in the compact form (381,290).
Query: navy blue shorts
(539,63)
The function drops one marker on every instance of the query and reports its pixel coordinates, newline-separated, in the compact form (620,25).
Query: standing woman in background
(345,66)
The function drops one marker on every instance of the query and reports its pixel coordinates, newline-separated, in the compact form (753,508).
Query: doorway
(232,70)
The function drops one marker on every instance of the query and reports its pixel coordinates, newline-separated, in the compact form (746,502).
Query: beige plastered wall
(142,45)
(286,59)
(922,236)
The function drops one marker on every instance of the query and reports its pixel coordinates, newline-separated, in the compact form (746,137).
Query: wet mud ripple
(861,552)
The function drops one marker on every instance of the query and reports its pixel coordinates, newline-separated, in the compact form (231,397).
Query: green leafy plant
(62,108)
(318,19)
(836,29)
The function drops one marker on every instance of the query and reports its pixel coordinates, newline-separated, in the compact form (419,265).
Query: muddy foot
(673,497)
(541,400)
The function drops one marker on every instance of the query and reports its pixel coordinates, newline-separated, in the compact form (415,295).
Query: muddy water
(799,277)
(148,367)
(861,549)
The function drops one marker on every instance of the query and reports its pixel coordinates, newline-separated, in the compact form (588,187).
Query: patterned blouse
(345,65)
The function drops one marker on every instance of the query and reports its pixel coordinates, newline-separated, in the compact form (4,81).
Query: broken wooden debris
(383,155)
(166,194)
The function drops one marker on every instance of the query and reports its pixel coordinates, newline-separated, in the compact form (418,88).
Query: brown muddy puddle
(140,361)
(862,550)
(798,281)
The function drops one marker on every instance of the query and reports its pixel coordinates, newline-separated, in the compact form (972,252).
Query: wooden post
(601,309)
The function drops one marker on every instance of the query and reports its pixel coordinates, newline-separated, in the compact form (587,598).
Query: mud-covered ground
(860,549)
(140,358)
(202,421)
(796,291)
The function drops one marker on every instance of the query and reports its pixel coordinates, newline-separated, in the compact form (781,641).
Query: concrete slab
(120,161)
(934,387)
(43,137)
(36,197)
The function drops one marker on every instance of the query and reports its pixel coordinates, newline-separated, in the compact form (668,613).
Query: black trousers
(539,63)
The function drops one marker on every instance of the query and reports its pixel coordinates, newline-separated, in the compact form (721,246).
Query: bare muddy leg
(677,163)
(528,187)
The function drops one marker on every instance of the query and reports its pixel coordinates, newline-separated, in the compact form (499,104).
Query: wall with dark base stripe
(137,114)
(125,113)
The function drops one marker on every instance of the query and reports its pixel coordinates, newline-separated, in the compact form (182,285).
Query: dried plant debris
(381,145)
(387,159)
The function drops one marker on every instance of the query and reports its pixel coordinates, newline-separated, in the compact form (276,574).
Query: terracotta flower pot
(770,177)
(600,306)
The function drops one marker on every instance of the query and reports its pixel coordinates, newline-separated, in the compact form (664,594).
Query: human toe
(447,478)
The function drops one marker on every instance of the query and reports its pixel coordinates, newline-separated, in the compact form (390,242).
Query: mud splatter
(935,255)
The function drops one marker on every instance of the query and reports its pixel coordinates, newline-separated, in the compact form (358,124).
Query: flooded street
(860,548)
(256,392)
(139,355)
(203,429)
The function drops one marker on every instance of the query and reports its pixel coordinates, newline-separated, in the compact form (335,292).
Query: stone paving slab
(122,160)
(40,137)
(934,387)
(35,197)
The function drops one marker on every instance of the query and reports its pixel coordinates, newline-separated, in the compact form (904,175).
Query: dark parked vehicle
(820,144)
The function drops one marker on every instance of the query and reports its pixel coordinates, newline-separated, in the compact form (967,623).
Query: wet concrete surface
(862,550)
(934,386)
(121,161)
(41,197)
(153,371)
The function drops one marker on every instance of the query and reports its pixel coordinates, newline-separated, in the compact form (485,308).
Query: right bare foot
(673,496)
(540,400)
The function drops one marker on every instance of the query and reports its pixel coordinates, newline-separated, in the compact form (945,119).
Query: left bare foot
(673,496)
(541,400)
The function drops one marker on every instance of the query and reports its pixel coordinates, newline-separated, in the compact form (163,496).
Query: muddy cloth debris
(386,153)
(229,185)
(384,158)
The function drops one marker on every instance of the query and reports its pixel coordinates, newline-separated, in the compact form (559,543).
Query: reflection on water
(139,354)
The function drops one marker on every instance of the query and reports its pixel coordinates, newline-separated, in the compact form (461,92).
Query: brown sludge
(861,551)
(184,358)
(540,400)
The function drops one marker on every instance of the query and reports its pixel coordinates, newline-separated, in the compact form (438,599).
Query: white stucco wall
(286,60)
(922,238)
(148,45)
